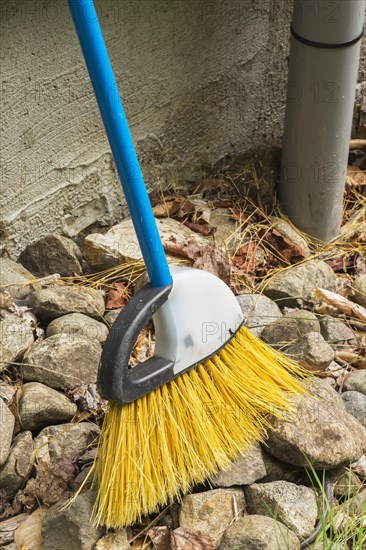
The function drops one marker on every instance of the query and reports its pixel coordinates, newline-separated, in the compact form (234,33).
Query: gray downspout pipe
(323,66)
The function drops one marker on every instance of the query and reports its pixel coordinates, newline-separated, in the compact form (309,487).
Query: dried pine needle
(156,448)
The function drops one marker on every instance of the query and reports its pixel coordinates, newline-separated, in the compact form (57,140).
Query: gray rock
(7,392)
(16,335)
(358,504)
(258,533)
(50,303)
(77,323)
(335,332)
(277,470)
(290,328)
(212,511)
(259,311)
(28,535)
(114,541)
(70,529)
(7,422)
(345,482)
(313,350)
(356,381)
(244,470)
(8,527)
(66,440)
(293,505)
(15,279)
(62,361)
(359,467)
(120,243)
(42,406)
(293,287)
(359,288)
(18,465)
(320,431)
(334,369)
(111,316)
(52,254)
(226,228)
(355,403)
(290,233)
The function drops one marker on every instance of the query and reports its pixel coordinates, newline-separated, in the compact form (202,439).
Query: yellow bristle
(156,448)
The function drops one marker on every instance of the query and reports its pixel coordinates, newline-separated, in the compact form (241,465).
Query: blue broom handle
(105,88)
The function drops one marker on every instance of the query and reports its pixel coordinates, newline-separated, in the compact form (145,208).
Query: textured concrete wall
(199,80)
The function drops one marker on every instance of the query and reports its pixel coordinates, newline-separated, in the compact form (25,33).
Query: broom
(204,397)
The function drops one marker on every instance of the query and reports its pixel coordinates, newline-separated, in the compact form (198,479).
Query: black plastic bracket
(117,382)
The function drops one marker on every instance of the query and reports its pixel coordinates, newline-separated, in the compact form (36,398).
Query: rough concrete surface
(199,80)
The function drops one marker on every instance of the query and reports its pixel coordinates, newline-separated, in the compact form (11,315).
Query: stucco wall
(199,80)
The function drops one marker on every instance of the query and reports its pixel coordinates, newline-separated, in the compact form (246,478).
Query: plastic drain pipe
(323,66)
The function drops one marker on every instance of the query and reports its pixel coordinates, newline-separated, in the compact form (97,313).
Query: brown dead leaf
(343,305)
(51,482)
(355,178)
(245,258)
(89,402)
(167,208)
(5,300)
(286,248)
(214,261)
(351,358)
(207,186)
(360,264)
(342,263)
(144,347)
(180,539)
(191,250)
(202,228)
(117,296)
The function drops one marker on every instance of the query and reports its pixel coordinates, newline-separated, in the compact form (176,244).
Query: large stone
(50,303)
(15,279)
(7,392)
(290,328)
(359,467)
(18,465)
(359,288)
(320,432)
(244,470)
(355,403)
(212,511)
(114,541)
(356,381)
(52,254)
(120,243)
(335,332)
(62,361)
(259,311)
(66,440)
(226,229)
(70,528)
(277,470)
(258,533)
(42,406)
(293,505)
(77,323)
(8,527)
(293,287)
(111,316)
(16,335)
(312,350)
(7,422)
(345,482)
(28,535)
(290,233)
